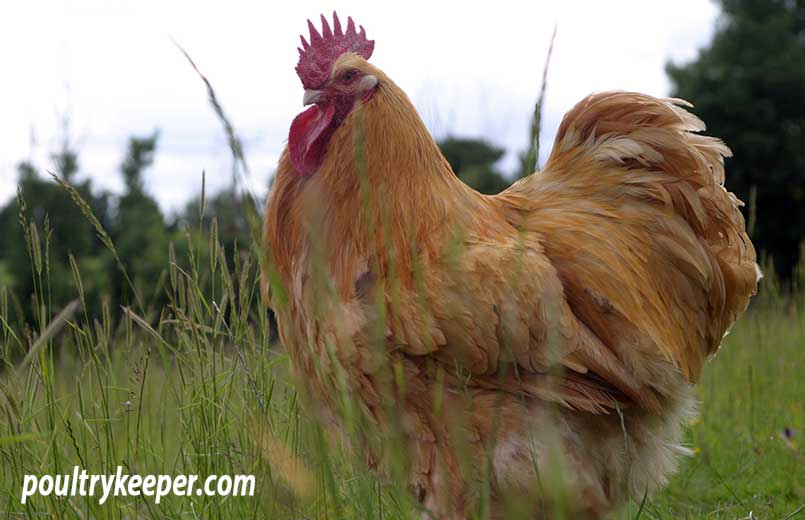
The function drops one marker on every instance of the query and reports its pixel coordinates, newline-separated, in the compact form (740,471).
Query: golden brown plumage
(559,325)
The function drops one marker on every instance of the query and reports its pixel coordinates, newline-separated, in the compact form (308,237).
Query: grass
(5,277)
(751,395)
(198,388)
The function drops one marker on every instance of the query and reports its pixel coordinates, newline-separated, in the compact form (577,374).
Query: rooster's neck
(383,191)
(384,153)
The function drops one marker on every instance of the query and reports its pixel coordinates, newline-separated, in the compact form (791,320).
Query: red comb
(317,57)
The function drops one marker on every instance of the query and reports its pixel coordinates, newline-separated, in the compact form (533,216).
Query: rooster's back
(651,248)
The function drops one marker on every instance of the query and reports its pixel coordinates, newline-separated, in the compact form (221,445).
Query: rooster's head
(335,75)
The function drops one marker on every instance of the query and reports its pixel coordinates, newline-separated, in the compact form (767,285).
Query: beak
(313,96)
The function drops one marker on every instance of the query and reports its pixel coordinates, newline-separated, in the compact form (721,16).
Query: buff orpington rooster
(532,352)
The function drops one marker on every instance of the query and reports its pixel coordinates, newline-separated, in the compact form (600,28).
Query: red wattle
(307,140)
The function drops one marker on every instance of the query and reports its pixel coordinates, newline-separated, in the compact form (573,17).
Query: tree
(473,160)
(139,231)
(749,87)
(53,221)
(139,157)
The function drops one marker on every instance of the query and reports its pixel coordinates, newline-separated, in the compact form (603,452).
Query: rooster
(534,351)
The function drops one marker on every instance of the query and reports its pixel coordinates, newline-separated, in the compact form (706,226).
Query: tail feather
(651,247)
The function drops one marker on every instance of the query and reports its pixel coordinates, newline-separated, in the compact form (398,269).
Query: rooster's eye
(349,76)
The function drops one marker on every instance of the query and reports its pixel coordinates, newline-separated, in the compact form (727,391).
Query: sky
(472,69)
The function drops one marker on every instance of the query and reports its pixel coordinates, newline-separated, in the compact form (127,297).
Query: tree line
(47,235)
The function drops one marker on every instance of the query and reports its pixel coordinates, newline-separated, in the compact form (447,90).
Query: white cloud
(471,69)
